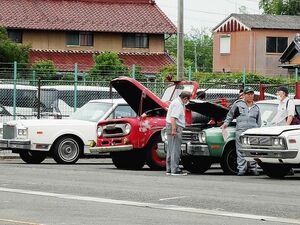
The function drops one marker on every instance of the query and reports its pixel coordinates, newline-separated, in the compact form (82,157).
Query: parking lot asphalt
(94,192)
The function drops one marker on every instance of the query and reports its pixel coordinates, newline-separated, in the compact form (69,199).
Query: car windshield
(92,111)
(174,90)
(268,111)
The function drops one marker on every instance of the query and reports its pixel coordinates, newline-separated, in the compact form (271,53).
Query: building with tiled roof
(74,29)
(253,43)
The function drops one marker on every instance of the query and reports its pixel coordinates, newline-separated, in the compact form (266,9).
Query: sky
(206,14)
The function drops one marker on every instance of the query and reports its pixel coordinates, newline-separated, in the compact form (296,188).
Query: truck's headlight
(1,131)
(99,131)
(163,135)
(202,137)
(127,129)
(278,142)
(22,132)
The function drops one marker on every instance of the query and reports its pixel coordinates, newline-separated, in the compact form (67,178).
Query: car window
(268,111)
(122,111)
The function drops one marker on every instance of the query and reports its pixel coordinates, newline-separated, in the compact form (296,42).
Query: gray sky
(206,13)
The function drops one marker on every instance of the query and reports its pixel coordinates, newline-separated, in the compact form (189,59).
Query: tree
(198,47)
(107,66)
(44,69)
(10,51)
(280,7)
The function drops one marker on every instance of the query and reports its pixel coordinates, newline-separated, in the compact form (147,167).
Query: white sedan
(65,140)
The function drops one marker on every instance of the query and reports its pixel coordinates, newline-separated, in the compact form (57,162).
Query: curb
(4,157)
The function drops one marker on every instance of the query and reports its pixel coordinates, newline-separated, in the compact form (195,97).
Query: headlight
(127,129)
(202,137)
(22,132)
(245,140)
(1,131)
(99,131)
(163,135)
(278,142)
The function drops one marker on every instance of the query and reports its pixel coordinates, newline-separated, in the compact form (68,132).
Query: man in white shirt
(286,108)
(175,123)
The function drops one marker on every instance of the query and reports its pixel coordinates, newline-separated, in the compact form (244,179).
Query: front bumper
(117,148)
(268,153)
(189,149)
(12,144)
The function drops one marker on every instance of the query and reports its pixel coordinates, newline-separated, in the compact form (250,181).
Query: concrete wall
(56,40)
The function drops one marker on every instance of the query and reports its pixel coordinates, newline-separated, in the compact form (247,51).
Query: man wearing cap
(247,116)
(286,108)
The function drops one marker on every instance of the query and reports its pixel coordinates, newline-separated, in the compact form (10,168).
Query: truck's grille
(9,131)
(262,141)
(188,135)
(114,130)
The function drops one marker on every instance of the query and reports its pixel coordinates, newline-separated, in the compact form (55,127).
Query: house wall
(268,63)
(55,40)
(248,50)
(239,56)
(296,60)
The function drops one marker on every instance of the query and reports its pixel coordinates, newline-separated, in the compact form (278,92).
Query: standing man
(286,108)
(247,116)
(175,123)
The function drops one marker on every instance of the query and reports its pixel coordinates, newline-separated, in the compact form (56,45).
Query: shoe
(179,173)
(241,173)
(168,173)
(254,173)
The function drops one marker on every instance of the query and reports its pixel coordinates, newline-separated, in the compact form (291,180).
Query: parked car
(64,140)
(275,149)
(208,145)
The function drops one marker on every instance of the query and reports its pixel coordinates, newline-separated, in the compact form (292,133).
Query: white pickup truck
(66,140)
(275,149)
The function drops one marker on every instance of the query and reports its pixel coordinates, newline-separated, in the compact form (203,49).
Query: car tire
(33,157)
(193,164)
(276,171)
(66,150)
(132,160)
(153,159)
(229,161)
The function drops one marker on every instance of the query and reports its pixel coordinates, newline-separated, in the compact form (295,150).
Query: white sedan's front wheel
(66,150)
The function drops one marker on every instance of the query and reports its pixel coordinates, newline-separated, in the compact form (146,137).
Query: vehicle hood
(132,91)
(272,131)
(208,109)
(51,122)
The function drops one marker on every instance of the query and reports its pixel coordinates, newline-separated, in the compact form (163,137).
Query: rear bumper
(268,154)
(15,144)
(119,148)
(189,149)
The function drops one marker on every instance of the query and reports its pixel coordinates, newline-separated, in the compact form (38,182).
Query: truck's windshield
(92,111)
(174,90)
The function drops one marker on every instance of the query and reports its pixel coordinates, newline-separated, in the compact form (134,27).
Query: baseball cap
(248,90)
(284,89)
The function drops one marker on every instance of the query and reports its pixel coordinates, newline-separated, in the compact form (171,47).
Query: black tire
(153,159)
(195,164)
(132,160)
(276,171)
(229,160)
(66,150)
(33,157)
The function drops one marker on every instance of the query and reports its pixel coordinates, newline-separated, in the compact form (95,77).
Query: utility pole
(180,42)
(196,63)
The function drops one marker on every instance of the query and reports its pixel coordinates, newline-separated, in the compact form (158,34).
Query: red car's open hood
(133,91)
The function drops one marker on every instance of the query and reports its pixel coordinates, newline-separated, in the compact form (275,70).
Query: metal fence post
(75,86)
(39,99)
(133,71)
(190,73)
(296,74)
(244,77)
(33,75)
(15,91)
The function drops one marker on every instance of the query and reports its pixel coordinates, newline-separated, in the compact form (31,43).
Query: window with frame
(225,44)
(80,38)
(15,35)
(276,44)
(135,41)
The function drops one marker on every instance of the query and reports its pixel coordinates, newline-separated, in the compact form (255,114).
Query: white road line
(18,222)
(154,206)
(171,198)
